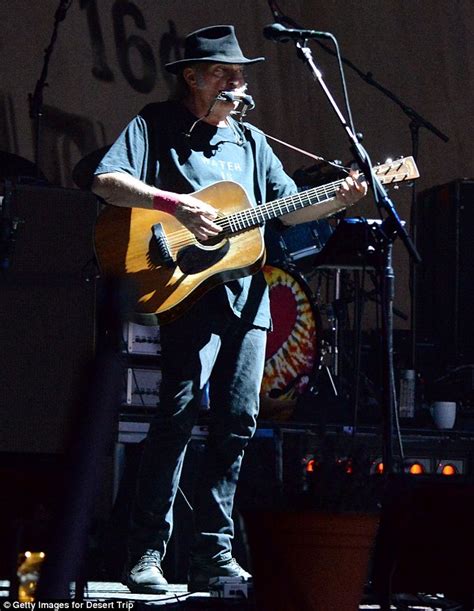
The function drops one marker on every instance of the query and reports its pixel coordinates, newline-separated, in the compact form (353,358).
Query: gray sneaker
(201,571)
(146,576)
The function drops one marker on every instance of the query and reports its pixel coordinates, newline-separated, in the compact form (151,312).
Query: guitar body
(170,269)
(125,248)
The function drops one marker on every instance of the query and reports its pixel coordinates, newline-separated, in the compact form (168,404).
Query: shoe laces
(232,564)
(151,558)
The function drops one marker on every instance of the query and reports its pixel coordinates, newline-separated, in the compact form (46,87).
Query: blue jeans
(208,342)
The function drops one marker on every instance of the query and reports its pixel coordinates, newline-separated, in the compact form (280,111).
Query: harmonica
(236,96)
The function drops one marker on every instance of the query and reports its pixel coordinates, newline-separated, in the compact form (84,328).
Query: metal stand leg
(278,442)
(331,381)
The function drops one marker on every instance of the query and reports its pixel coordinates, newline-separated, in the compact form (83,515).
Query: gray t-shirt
(156,147)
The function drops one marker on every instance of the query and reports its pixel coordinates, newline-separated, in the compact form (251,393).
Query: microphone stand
(416,121)
(389,230)
(35,99)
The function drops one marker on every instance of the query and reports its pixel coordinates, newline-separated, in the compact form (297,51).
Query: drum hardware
(285,385)
(351,379)
(332,325)
(354,246)
(329,355)
(351,246)
(330,346)
(294,247)
(372,296)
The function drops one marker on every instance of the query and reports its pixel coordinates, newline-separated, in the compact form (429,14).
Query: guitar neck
(399,170)
(252,217)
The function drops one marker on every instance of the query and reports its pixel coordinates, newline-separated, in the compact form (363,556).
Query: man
(168,151)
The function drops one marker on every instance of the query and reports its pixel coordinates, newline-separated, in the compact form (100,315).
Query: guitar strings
(240,220)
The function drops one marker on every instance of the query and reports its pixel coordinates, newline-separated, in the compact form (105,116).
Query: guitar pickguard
(195,259)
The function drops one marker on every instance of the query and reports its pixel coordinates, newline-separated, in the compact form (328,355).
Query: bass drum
(293,346)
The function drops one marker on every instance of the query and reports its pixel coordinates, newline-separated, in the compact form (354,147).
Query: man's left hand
(351,189)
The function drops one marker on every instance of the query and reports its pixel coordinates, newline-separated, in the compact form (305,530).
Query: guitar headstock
(399,170)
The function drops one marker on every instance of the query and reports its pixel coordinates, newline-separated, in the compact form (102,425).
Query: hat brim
(175,67)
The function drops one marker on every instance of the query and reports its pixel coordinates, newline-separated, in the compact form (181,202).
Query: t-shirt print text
(227,169)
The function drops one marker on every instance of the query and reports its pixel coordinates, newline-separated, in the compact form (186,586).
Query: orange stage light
(449,469)
(416,468)
(379,468)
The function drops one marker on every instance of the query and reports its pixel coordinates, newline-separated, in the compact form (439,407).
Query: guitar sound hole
(193,259)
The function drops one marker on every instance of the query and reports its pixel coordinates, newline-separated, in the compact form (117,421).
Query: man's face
(210,79)
(205,81)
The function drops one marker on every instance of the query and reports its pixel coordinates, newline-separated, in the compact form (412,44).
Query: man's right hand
(197,216)
(121,189)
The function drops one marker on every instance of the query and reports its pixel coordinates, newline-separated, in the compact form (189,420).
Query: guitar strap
(275,224)
(256,183)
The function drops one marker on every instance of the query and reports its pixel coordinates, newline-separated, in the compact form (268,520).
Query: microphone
(279,33)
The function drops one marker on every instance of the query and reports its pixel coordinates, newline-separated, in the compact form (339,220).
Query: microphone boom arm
(391,227)
(361,155)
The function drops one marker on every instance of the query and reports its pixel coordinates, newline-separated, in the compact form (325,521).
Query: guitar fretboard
(391,172)
(252,217)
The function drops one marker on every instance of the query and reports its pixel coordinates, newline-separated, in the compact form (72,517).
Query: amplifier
(47,313)
(141,387)
(135,431)
(141,390)
(444,279)
(141,339)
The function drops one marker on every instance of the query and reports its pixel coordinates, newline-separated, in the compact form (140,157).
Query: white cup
(444,414)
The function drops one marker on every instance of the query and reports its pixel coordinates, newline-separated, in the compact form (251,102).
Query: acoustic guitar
(170,268)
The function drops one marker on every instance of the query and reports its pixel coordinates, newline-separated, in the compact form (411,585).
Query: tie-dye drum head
(292,354)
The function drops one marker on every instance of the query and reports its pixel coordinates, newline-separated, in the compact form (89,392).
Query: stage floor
(102,595)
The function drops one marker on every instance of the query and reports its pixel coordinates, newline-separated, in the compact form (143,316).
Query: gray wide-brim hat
(217,44)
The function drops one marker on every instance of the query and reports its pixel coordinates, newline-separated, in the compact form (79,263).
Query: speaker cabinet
(426,538)
(444,279)
(47,305)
